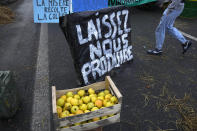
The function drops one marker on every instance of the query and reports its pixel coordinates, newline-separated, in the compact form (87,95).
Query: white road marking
(189,36)
(41,109)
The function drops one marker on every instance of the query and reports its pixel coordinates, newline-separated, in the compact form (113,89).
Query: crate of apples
(88,107)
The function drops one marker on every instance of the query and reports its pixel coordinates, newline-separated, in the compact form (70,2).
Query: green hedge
(128,2)
(190,10)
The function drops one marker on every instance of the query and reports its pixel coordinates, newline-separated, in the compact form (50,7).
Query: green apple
(74,109)
(60,102)
(81,93)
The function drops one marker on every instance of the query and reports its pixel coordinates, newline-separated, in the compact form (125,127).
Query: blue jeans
(166,24)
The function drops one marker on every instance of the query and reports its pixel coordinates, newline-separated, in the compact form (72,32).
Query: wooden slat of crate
(90,115)
(93,125)
(110,84)
(95,86)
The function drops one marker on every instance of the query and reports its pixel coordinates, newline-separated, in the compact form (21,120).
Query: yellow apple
(101,94)
(76,124)
(69,99)
(91,91)
(86,99)
(79,112)
(67,106)
(105,102)
(83,107)
(93,95)
(104,117)
(64,114)
(74,109)
(60,102)
(96,119)
(100,97)
(77,96)
(59,109)
(63,97)
(106,92)
(74,102)
(86,111)
(93,98)
(69,94)
(111,115)
(114,99)
(71,115)
(80,102)
(94,108)
(108,104)
(65,126)
(108,96)
(98,103)
(90,105)
(81,93)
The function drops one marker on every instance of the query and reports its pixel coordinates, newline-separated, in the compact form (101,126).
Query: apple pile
(72,104)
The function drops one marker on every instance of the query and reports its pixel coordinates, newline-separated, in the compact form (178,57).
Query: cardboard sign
(99,41)
(49,11)
(88,5)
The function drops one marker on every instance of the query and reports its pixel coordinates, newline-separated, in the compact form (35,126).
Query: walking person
(166,24)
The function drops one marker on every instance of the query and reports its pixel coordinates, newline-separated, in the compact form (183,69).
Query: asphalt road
(145,83)
(18,53)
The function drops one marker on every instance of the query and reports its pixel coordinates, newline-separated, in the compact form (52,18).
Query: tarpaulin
(99,41)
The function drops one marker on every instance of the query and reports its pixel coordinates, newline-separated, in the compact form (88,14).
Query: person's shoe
(154,52)
(186,46)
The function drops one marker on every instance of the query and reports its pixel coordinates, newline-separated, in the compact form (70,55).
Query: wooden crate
(115,109)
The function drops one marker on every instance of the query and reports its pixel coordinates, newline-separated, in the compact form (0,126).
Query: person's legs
(170,26)
(159,35)
(175,32)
